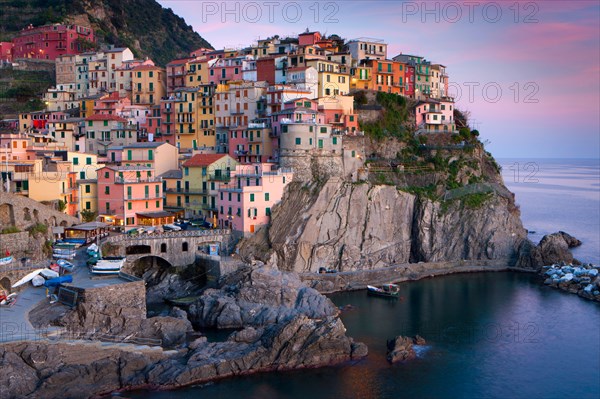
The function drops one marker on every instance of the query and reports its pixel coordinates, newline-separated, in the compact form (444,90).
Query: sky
(528,72)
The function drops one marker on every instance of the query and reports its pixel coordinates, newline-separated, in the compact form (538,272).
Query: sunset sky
(544,56)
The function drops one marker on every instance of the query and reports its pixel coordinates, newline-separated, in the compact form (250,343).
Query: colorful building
(51,41)
(252,143)
(198,189)
(246,201)
(435,116)
(130,196)
(162,157)
(366,48)
(148,85)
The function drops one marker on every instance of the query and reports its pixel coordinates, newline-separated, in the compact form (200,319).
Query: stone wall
(22,212)
(127,295)
(313,165)
(23,245)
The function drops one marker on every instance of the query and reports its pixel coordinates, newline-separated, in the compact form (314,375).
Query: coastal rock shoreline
(285,326)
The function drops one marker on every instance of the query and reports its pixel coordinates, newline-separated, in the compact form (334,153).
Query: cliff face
(361,226)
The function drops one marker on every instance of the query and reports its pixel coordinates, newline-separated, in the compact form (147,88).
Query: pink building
(226,69)
(435,116)
(131,195)
(245,202)
(176,73)
(51,41)
(111,104)
(308,38)
(6,49)
(252,143)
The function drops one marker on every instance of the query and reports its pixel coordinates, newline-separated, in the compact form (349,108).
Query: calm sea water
(492,335)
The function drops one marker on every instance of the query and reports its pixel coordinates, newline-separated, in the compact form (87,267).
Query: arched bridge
(179,248)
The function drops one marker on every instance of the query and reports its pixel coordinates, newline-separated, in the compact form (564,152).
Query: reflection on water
(488,335)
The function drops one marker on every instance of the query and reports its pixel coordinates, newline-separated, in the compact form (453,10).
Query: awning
(154,215)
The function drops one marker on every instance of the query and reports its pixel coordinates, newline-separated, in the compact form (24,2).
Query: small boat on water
(6,260)
(92,249)
(108,265)
(65,265)
(386,290)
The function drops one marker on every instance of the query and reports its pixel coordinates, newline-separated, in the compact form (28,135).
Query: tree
(88,216)
(61,205)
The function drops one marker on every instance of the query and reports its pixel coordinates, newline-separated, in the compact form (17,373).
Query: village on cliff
(214,137)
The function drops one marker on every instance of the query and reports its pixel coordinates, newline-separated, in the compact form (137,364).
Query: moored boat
(108,265)
(386,290)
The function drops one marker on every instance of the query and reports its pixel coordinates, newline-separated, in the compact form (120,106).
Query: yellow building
(85,167)
(148,85)
(196,193)
(333,78)
(197,74)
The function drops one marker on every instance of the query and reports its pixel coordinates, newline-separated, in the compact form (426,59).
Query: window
(88,205)
(251,197)
(88,161)
(75,161)
(163,247)
(323,129)
(88,189)
(107,190)
(106,175)
(268,211)
(320,143)
(335,141)
(129,192)
(129,205)
(82,175)
(158,204)
(266,196)
(298,141)
(184,247)
(157,190)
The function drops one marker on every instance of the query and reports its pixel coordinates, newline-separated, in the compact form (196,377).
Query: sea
(489,335)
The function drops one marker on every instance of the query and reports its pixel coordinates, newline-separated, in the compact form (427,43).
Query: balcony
(236,112)
(219,177)
(189,191)
(121,180)
(209,207)
(145,198)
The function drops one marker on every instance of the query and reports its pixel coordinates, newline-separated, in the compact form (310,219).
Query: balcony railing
(148,197)
(122,180)
(219,177)
(190,191)
(209,207)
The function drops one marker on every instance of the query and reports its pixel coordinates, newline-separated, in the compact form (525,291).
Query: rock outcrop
(582,280)
(349,227)
(284,325)
(401,348)
(258,296)
(552,248)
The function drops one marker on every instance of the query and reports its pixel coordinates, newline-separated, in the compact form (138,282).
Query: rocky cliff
(348,226)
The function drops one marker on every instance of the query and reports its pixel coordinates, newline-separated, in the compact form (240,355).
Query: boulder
(400,349)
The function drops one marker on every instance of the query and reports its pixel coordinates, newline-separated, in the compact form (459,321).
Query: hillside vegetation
(143,25)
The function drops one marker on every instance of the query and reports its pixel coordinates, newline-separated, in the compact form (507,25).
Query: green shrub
(38,228)
(10,230)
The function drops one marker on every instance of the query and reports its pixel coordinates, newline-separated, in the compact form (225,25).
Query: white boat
(27,278)
(108,265)
(48,274)
(92,249)
(6,260)
(61,253)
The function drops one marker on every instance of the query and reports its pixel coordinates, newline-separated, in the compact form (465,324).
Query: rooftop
(203,159)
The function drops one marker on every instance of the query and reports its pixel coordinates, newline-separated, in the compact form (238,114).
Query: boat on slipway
(108,265)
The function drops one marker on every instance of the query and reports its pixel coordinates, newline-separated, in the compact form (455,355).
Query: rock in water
(402,348)
(553,248)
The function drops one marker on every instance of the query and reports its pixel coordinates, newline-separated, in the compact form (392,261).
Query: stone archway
(7,215)
(5,284)
(52,221)
(64,223)
(159,276)
(36,215)
(26,214)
